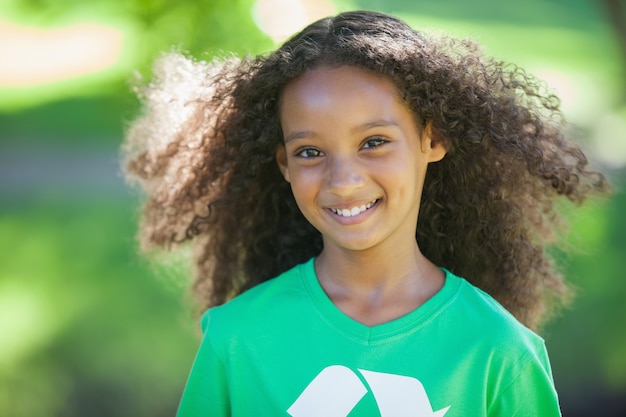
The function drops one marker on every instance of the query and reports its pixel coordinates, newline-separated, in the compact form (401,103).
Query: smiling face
(354,157)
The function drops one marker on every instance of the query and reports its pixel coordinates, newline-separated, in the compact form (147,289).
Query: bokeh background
(88,327)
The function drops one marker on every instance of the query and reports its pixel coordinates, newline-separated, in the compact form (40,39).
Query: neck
(375,286)
(363,271)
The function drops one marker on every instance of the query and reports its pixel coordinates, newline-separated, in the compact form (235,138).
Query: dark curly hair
(205,147)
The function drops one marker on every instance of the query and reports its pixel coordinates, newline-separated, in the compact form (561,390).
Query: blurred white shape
(21,326)
(280,19)
(584,98)
(588,103)
(610,139)
(33,56)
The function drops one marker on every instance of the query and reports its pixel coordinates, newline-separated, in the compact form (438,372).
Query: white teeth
(355,211)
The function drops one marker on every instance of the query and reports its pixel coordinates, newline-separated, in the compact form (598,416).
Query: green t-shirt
(284,349)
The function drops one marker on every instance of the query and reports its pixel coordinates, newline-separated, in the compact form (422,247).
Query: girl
(298,177)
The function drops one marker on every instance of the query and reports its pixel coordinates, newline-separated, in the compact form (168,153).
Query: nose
(344,175)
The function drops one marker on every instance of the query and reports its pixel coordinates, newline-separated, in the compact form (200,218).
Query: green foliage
(588,341)
(74,120)
(530,13)
(149,27)
(195,26)
(85,326)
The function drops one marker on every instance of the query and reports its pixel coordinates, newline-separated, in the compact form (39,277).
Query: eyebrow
(300,134)
(375,123)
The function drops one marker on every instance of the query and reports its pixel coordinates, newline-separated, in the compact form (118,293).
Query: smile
(354,211)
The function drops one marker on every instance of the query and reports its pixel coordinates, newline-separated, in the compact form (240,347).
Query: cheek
(404,175)
(304,185)
(397,167)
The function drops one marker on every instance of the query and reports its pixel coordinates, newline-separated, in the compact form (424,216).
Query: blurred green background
(90,328)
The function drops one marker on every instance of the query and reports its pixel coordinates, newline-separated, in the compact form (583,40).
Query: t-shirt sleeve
(531,393)
(206,391)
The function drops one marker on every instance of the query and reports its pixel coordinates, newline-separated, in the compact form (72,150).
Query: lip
(369,206)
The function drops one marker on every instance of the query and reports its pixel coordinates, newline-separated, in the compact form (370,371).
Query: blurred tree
(196,26)
(149,27)
(616,14)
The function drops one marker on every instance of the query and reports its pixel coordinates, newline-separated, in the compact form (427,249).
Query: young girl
(298,177)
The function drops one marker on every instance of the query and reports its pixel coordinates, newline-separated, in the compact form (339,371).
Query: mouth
(354,211)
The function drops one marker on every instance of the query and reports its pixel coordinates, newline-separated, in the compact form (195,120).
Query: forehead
(322,84)
(339,102)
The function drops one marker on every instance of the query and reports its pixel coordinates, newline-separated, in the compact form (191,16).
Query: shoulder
(494,349)
(263,304)
(485,320)
(515,357)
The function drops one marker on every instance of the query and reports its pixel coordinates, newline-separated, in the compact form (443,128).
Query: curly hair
(204,150)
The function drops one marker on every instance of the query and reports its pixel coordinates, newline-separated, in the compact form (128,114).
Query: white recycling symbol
(336,390)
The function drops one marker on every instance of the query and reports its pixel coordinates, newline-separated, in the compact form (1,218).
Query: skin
(351,143)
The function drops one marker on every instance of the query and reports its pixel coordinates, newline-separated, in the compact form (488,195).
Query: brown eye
(308,153)
(374,142)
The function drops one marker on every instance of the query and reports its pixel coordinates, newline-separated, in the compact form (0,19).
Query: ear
(281,160)
(432,147)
